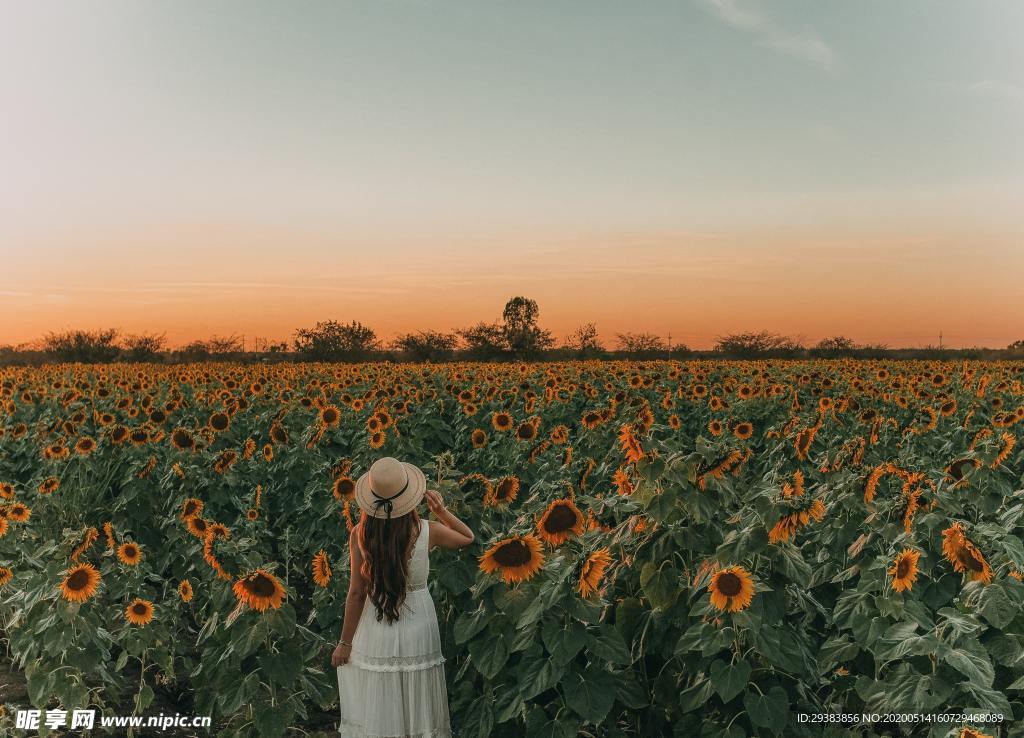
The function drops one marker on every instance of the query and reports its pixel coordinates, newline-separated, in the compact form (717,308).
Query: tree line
(517,336)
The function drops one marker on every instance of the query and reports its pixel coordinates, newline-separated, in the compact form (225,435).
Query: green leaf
(538,675)
(284,666)
(769,710)
(143,698)
(971,660)
(630,691)
(489,654)
(628,613)
(696,695)
(272,720)
(563,643)
(469,624)
(591,695)
(729,679)
(996,606)
(661,586)
(608,645)
(479,719)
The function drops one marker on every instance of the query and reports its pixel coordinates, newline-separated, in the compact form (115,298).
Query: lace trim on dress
(347,729)
(396,663)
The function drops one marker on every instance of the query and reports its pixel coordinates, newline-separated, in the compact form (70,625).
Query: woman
(390,668)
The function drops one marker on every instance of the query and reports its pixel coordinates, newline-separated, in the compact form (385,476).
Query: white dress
(393,685)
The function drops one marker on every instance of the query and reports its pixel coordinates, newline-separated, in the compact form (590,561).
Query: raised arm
(447,531)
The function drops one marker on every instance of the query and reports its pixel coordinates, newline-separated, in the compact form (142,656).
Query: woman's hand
(341,655)
(435,503)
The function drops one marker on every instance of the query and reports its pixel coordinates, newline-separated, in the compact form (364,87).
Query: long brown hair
(386,550)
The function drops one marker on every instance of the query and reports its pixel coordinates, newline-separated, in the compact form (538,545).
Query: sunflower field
(706,548)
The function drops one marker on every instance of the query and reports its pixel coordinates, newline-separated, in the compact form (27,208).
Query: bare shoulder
(441,536)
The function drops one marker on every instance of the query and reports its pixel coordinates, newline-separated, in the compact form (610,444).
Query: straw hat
(391,488)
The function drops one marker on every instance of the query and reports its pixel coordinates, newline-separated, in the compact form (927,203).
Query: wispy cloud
(803,44)
(998,89)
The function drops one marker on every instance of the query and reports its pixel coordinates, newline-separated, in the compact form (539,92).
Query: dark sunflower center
(902,568)
(968,559)
(78,580)
(182,439)
(504,490)
(190,508)
(526,431)
(260,585)
(130,551)
(729,584)
(561,519)
(139,608)
(219,421)
(513,553)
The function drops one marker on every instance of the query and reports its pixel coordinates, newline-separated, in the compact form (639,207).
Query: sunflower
(5,575)
(129,553)
(743,430)
(330,416)
(118,435)
(219,422)
(19,512)
(321,569)
(964,555)
(1009,441)
(593,569)
(344,488)
(85,446)
(80,583)
(477,485)
(623,484)
(185,590)
(49,486)
(731,589)
(796,489)
(478,438)
(260,590)
(278,434)
(904,569)
(191,508)
(715,427)
(252,514)
(561,521)
(501,421)
(629,444)
(377,439)
(559,435)
(518,558)
(139,612)
(6,490)
(526,431)
(3,525)
(871,486)
(197,526)
(91,534)
(503,492)
(674,422)
(268,452)
(182,439)
(787,526)
(249,448)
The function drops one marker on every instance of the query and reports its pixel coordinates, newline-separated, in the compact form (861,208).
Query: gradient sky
(694,167)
